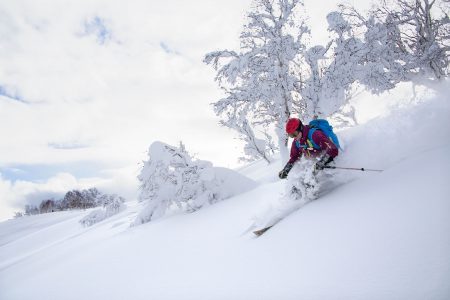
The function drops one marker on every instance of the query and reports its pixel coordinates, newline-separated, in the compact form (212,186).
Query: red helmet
(292,125)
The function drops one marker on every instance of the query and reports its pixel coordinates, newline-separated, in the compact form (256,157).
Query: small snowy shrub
(171,180)
(112,204)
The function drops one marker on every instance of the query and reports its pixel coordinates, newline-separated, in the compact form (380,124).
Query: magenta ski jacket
(302,147)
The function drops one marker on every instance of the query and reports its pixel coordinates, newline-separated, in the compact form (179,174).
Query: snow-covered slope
(379,236)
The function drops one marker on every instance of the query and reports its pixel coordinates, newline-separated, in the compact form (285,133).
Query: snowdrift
(377,236)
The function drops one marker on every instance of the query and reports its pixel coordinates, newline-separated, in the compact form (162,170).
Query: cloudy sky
(87,85)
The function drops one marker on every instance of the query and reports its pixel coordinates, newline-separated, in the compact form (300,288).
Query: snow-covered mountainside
(378,236)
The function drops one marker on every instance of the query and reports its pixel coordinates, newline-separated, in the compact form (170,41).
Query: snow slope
(379,236)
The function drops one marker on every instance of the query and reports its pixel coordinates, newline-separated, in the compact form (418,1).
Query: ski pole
(355,169)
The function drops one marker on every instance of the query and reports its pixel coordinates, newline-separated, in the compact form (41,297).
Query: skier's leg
(303,184)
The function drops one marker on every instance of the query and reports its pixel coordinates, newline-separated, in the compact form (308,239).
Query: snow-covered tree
(111,202)
(376,52)
(312,86)
(261,82)
(112,205)
(333,72)
(173,181)
(404,40)
(72,199)
(31,210)
(254,147)
(80,199)
(90,197)
(47,206)
(339,75)
(423,36)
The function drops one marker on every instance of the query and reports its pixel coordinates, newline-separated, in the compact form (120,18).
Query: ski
(261,231)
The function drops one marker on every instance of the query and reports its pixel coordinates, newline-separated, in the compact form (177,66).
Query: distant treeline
(74,199)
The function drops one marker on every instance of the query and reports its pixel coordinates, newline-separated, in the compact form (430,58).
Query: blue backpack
(326,128)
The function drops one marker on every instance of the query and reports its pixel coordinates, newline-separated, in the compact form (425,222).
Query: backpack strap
(309,144)
(310,139)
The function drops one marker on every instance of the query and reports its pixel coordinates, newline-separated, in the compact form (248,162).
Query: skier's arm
(295,155)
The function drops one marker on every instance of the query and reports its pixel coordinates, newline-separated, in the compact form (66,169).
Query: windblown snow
(376,236)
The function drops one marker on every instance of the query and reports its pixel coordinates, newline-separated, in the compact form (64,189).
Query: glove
(284,173)
(325,160)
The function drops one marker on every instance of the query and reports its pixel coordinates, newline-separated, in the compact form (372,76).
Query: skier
(316,141)
(317,144)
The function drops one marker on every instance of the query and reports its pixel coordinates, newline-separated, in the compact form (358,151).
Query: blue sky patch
(97,26)
(10,94)
(42,172)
